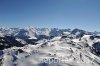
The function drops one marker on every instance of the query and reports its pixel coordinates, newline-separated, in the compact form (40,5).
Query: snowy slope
(65,48)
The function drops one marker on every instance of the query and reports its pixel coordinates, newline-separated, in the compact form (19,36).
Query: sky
(82,14)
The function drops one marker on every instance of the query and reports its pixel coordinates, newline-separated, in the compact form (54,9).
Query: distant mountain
(32,33)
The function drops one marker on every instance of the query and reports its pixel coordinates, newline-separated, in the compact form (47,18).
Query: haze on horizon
(82,14)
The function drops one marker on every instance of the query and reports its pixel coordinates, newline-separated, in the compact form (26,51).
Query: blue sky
(83,14)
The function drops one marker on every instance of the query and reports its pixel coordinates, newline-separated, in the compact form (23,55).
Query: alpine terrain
(49,47)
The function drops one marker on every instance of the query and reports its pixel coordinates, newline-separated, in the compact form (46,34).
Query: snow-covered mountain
(49,47)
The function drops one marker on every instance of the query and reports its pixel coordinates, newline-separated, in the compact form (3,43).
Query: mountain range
(49,47)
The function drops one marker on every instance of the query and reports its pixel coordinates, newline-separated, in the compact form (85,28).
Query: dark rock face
(80,33)
(20,51)
(31,41)
(96,48)
(64,37)
(97,37)
(43,37)
(8,41)
(1,52)
(92,37)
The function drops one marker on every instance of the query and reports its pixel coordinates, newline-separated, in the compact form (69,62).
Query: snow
(76,40)
(56,38)
(51,52)
(66,33)
(59,50)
